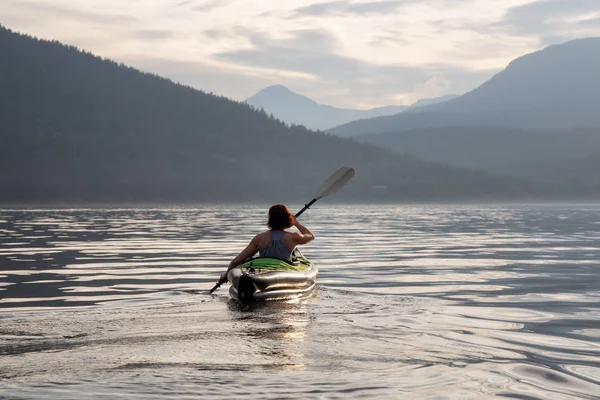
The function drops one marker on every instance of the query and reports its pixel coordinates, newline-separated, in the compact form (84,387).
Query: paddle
(334,183)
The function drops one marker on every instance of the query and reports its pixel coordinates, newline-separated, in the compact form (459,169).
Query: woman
(275,242)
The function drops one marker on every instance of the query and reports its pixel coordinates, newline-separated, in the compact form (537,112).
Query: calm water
(437,302)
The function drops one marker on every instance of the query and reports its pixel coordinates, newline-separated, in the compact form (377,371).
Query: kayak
(264,279)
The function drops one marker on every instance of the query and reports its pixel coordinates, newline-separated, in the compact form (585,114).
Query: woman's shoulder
(266,235)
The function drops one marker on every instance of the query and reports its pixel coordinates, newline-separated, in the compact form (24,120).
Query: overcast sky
(344,53)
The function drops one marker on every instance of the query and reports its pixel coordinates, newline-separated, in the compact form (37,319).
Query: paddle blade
(335,182)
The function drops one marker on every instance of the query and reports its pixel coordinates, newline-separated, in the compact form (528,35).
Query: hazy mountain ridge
(78,128)
(537,120)
(294,108)
(433,100)
(525,154)
(556,88)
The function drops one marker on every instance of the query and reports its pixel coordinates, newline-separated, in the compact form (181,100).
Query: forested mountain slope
(79,128)
(524,154)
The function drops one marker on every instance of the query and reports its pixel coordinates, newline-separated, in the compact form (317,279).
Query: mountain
(78,128)
(296,109)
(578,171)
(435,100)
(556,88)
(533,155)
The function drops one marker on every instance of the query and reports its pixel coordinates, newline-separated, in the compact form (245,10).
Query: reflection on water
(413,301)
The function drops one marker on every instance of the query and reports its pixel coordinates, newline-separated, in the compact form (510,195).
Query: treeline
(75,127)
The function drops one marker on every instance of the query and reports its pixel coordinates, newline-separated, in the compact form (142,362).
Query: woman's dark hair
(280,217)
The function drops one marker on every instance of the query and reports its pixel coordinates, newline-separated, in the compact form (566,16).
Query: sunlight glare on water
(444,301)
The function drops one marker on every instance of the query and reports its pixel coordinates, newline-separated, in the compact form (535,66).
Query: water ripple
(452,301)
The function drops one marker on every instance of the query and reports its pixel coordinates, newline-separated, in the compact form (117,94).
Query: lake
(413,301)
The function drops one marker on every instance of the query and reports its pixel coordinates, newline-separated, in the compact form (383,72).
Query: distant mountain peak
(276,89)
(294,108)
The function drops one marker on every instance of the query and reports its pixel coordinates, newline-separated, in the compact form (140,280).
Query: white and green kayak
(266,279)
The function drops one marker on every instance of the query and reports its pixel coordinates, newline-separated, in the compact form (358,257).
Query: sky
(345,53)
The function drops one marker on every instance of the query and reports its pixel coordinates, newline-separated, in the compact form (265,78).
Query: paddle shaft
(215,287)
(306,207)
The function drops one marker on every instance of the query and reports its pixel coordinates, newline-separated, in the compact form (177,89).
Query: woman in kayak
(276,242)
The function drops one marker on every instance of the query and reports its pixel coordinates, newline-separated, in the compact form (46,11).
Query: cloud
(221,80)
(434,87)
(305,51)
(590,23)
(346,7)
(311,53)
(153,34)
(203,5)
(215,34)
(552,21)
(389,37)
(210,5)
(59,12)
(341,52)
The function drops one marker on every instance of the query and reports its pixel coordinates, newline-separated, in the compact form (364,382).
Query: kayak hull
(267,279)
